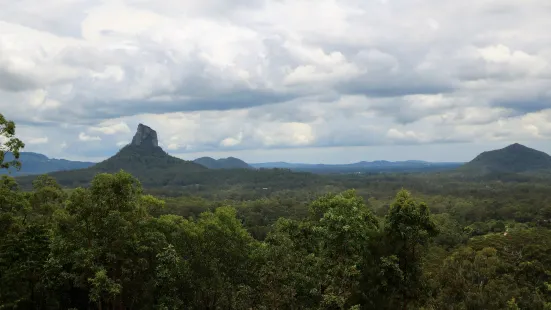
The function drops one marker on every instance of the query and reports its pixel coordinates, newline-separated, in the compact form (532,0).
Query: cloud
(37,140)
(84,137)
(247,75)
(232,141)
(111,129)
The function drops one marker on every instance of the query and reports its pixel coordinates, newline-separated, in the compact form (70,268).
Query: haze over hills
(222,163)
(35,163)
(515,158)
(363,166)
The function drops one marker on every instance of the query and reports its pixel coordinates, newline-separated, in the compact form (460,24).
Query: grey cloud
(60,17)
(303,110)
(372,86)
(13,81)
(217,8)
(396,52)
(531,103)
(94,111)
(523,96)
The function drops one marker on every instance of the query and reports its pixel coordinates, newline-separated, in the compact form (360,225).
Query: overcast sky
(292,80)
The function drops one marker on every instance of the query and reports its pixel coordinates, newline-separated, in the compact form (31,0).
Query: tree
(9,143)
(323,262)
(470,279)
(408,229)
(104,245)
(208,262)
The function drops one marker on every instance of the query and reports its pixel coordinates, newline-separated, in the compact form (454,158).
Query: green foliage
(102,242)
(234,245)
(408,228)
(9,143)
(340,257)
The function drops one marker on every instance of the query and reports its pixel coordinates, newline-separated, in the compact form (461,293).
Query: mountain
(35,163)
(363,166)
(515,158)
(144,154)
(143,158)
(222,163)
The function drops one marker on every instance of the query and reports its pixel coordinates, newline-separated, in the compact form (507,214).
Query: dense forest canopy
(272,239)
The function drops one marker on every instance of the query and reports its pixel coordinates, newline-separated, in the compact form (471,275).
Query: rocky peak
(145,137)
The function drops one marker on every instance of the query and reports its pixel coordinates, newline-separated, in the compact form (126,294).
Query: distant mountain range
(154,168)
(147,161)
(35,163)
(222,163)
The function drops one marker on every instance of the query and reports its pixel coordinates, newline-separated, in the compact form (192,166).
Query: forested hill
(515,158)
(35,163)
(142,158)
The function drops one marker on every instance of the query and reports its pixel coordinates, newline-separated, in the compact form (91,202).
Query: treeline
(110,246)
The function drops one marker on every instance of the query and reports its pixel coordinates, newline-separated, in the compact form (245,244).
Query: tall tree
(320,263)
(407,230)
(104,246)
(9,143)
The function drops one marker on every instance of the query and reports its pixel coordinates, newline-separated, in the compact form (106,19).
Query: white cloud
(285,134)
(172,146)
(232,141)
(111,129)
(84,137)
(41,140)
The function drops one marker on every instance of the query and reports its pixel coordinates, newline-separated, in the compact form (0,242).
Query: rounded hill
(515,158)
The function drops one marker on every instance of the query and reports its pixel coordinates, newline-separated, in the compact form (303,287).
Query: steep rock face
(145,136)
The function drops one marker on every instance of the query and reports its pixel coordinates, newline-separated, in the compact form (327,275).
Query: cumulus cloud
(242,75)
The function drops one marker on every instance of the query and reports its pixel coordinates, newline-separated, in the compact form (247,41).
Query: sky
(319,81)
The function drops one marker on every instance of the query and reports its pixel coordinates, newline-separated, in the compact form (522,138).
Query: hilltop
(36,163)
(222,163)
(515,158)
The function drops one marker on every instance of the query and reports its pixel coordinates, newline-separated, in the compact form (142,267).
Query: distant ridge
(515,158)
(36,163)
(222,163)
(363,166)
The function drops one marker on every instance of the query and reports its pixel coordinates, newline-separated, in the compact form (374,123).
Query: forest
(373,241)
